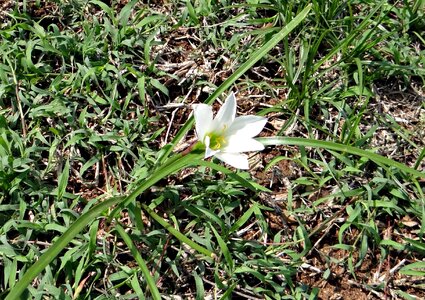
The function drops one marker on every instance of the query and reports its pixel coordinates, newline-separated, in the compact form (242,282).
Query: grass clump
(95,108)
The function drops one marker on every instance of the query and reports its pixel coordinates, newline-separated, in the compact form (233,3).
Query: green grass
(95,99)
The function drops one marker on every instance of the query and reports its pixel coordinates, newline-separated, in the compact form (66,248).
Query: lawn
(105,191)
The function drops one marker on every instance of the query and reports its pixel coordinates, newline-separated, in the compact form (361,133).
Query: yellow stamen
(216,141)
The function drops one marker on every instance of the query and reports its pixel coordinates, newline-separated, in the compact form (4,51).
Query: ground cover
(93,94)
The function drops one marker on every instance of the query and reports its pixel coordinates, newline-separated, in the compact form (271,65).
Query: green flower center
(217,141)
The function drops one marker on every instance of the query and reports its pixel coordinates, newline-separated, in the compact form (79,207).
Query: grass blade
(379,159)
(149,279)
(63,180)
(181,237)
(224,249)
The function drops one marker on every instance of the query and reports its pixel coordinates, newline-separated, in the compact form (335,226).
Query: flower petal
(208,151)
(248,126)
(237,160)
(203,120)
(238,143)
(226,114)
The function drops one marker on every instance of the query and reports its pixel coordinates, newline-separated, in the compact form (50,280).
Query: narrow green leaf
(224,249)
(63,180)
(414,269)
(88,164)
(125,13)
(155,83)
(134,251)
(200,291)
(303,142)
(228,293)
(242,220)
(137,288)
(13,272)
(406,295)
(391,243)
(192,12)
(181,237)
(105,8)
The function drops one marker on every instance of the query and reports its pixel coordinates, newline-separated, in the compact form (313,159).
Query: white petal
(237,160)
(226,114)
(208,151)
(203,119)
(248,126)
(239,143)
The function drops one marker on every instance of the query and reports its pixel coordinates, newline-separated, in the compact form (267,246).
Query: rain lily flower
(226,135)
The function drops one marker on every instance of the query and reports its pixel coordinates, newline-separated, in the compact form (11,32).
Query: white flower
(225,136)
